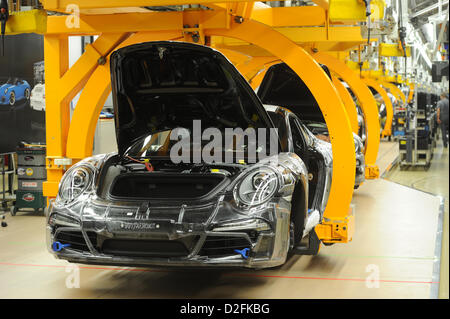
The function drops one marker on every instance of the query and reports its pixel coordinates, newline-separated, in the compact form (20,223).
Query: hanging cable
(402,33)
(146,162)
(368,13)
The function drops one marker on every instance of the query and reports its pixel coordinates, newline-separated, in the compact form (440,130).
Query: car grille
(144,248)
(217,246)
(76,239)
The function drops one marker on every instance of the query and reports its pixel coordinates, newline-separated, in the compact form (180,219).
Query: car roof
(276,108)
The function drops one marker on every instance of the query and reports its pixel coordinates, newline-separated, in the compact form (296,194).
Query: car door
(19,89)
(303,146)
(299,141)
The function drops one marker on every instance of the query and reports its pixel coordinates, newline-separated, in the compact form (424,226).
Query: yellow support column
(350,106)
(57,115)
(368,105)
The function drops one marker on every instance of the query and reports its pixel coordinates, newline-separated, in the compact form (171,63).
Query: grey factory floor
(395,240)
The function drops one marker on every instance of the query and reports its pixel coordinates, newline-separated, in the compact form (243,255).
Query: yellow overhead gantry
(272,31)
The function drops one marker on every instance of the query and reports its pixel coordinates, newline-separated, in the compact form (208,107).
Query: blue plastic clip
(244,252)
(57,246)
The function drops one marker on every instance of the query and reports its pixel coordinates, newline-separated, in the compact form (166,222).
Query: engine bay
(130,178)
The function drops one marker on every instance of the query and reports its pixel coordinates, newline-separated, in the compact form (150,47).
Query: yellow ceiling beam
(206,19)
(290,16)
(61,5)
(137,22)
(388,49)
(32,21)
(336,39)
(355,10)
(101,18)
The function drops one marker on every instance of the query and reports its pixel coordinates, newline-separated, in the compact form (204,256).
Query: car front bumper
(180,235)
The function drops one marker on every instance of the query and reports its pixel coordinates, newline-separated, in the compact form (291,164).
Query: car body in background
(37,99)
(320,130)
(13,90)
(282,86)
(362,132)
(138,206)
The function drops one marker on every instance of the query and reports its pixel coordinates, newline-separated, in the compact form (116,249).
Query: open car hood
(159,86)
(283,87)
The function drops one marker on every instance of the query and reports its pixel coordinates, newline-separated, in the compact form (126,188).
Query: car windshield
(316,126)
(220,145)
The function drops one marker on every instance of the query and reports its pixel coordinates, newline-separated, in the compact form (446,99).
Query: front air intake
(144,248)
(164,185)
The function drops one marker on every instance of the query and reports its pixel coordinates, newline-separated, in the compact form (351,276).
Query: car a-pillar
(368,106)
(337,225)
(387,130)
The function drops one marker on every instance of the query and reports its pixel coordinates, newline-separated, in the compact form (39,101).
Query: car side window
(299,142)
(280,124)
(304,131)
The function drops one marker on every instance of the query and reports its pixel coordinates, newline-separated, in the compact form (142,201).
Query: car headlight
(76,181)
(257,186)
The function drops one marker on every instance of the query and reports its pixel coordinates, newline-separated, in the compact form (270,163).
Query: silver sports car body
(139,207)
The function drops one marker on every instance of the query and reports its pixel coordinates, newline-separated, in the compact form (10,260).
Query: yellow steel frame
(26,22)
(368,106)
(259,66)
(399,95)
(250,23)
(388,49)
(350,106)
(351,11)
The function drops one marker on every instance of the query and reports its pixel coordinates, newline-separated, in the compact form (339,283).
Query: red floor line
(227,275)
(330,278)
